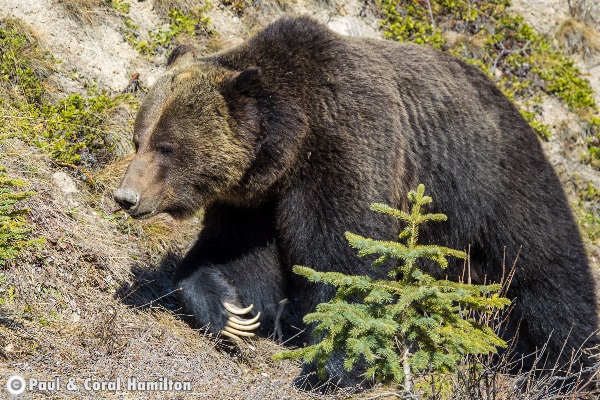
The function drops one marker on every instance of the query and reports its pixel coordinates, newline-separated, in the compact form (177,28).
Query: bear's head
(195,137)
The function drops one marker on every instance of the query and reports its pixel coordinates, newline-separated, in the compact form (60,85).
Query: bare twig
(385,394)
(431,14)
(407,373)
(278,330)
(159,298)
(89,176)
(504,52)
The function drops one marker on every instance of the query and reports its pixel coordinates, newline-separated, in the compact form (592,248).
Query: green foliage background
(190,22)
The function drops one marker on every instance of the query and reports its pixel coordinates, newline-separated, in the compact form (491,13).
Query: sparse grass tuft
(162,7)
(586,11)
(577,37)
(238,6)
(120,6)
(84,12)
(23,65)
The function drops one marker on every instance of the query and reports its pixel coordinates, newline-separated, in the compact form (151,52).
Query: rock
(64,182)
(346,26)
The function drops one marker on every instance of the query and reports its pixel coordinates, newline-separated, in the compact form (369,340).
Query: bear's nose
(126,198)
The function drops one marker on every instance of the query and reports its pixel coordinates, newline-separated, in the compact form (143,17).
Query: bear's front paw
(236,327)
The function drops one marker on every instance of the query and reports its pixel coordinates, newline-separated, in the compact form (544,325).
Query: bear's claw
(236,310)
(232,336)
(242,327)
(237,327)
(242,321)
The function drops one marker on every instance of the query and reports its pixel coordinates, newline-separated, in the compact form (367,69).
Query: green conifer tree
(409,324)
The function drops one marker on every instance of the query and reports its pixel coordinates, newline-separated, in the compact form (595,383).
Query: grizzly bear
(286,140)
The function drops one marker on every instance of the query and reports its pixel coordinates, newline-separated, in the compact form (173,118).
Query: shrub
(73,127)
(14,229)
(409,324)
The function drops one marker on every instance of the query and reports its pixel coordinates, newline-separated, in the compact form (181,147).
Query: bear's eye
(165,148)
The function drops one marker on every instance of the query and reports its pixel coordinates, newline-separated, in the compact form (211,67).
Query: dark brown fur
(288,138)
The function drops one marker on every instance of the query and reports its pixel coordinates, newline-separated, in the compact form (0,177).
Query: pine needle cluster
(408,324)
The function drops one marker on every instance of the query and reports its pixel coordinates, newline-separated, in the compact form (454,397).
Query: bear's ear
(178,54)
(247,83)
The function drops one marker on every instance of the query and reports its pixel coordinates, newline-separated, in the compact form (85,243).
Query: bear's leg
(557,313)
(311,231)
(233,265)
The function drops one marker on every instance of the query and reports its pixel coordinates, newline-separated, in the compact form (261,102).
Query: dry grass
(84,12)
(587,11)
(578,38)
(494,378)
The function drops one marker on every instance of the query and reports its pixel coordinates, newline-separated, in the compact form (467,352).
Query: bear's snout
(126,198)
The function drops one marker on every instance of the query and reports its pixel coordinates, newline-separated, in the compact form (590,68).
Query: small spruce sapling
(411,323)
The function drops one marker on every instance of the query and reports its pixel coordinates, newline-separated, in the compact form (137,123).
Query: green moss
(530,110)
(410,23)
(523,63)
(586,207)
(193,23)
(589,223)
(590,193)
(7,293)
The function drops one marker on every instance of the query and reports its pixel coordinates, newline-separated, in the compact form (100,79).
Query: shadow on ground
(152,287)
